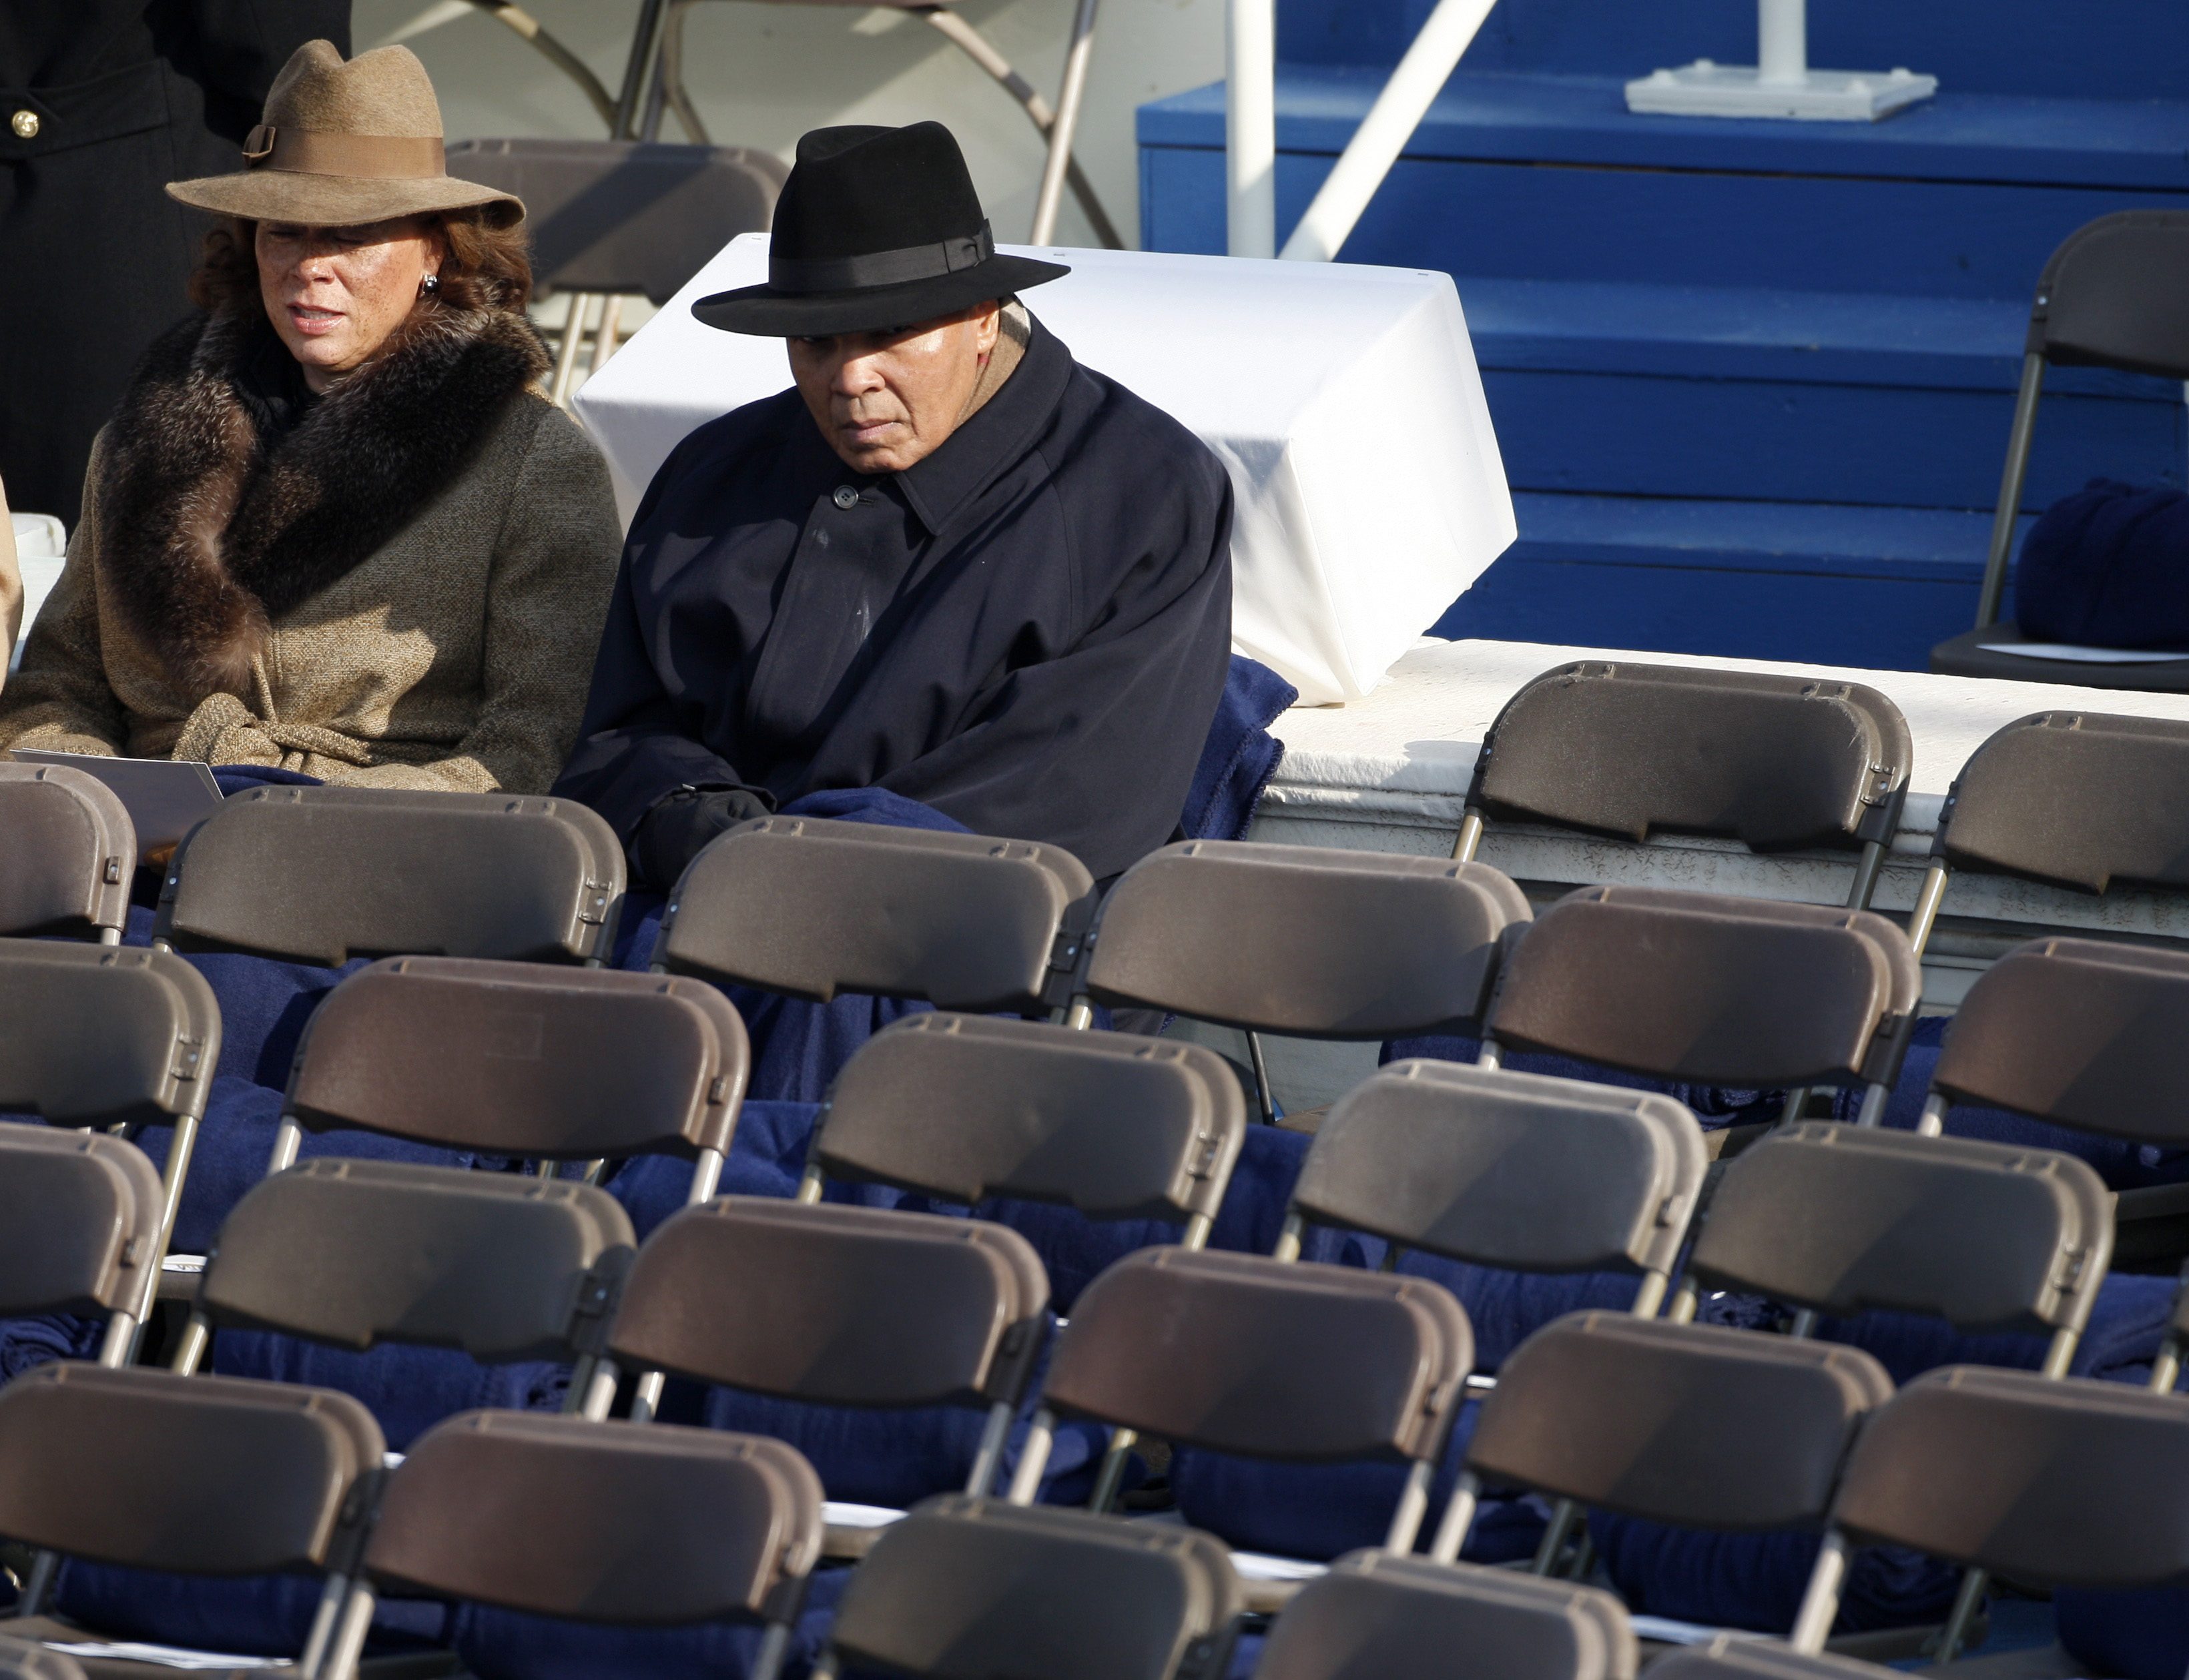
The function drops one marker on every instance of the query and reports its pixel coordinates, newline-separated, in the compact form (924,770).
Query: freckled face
(335,294)
(885,400)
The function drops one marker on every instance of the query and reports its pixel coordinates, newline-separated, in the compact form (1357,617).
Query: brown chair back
(600,1522)
(2056,1481)
(1844,1219)
(1777,762)
(197,1476)
(1507,1170)
(812,908)
(1711,988)
(847,1306)
(79,1222)
(1310,941)
(517,1059)
(98,1035)
(1683,1423)
(322,875)
(359,1253)
(1742,1657)
(71,850)
(977,1589)
(2078,1032)
(966,1107)
(1241,1354)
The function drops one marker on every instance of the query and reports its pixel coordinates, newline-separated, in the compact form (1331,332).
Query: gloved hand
(677,830)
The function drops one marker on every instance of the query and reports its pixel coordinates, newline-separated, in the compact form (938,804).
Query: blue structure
(1752,379)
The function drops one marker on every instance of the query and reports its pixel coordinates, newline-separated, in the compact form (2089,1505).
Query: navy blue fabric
(254,1616)
(1240,755)
(1714,1106)
(2107,566)
(2140,1636)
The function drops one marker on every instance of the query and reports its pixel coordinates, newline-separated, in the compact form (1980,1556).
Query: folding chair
(1730,1657)
(201,1475)
(20,1659)
(320,874)
(1309,941)
(505,1058)
(93,1036)
(833,1306)
(79,1230)
(812,908)
(1376,1614)
(71,850)
(2054,1481)
(2112,295)
(2084,1033)
(2079,800)
(1604,1409)
(1514,1171)
(1237,1353)
(1718,991)
(603,1523)
(1779,763)
(979,1589)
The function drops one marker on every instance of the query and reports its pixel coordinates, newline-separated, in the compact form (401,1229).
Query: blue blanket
(2109,567)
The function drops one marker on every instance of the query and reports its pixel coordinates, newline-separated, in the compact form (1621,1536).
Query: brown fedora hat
(343,145)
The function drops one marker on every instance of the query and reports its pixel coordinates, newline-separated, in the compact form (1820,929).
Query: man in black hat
(951,563)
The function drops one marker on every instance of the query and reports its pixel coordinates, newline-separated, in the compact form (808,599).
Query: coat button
(25,125)
(845,498)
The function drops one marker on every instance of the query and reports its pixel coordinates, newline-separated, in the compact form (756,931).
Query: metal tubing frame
(349,1642)
(1070,97)
(1865,874)
(1413,1506)
(1924,918)
(1820,1602)
(1933,1122)
(990,1453)
(1469,840)
(1033,1457)
(1264,1099)
(523,23)
(1458,1518)
(2010,489)
(1554,1538)
(1966,1603)
(774,1647)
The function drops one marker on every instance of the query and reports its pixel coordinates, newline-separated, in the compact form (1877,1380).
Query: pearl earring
(433,283)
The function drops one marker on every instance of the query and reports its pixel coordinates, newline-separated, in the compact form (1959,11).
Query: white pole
(1250,125)
(1391,122)
(1782,42)
(1068,101)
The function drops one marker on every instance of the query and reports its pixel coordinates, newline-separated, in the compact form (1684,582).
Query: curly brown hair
(486,268)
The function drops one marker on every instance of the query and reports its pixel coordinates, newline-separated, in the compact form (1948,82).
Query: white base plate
(1706,89)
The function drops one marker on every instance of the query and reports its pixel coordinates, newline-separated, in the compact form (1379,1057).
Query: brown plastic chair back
(625,216)
(600,1522)
(978,1589)
(2074,799)
(2055,1481)
(2115,294)
(1310,941)
(966,1107)
(1738,1656)
(1682,1423)
(359,1253)
(809,908)
(1507,1170)
(79,1222)
(514,1058)
(71,850)
(1708,987)
(197,1476)
(847,1306)
(98,1035)
(322,875)
(24,1660)
(1376,1613)
(1241,1354)
(1844,1219)
(2080,1033)
(1777,762)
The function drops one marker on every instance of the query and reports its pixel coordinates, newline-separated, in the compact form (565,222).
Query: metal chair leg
(1069,99)
(2009,489)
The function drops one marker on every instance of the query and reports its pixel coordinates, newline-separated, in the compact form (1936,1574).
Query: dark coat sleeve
(242,44)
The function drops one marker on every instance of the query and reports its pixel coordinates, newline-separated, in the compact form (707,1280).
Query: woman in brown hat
(332,527)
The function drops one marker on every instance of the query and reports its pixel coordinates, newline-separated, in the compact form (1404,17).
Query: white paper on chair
(162,1656)
(2074,653)
(1345,400)
(165,799)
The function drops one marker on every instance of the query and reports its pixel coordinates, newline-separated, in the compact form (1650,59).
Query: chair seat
(1964,655)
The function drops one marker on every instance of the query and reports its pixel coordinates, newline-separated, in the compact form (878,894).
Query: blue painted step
(1868,587)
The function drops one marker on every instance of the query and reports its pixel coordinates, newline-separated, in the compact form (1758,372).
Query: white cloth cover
(1344,399)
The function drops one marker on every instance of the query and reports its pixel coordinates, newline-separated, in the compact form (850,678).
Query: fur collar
(207,536)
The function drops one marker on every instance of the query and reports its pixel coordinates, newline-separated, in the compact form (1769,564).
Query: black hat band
(880,268)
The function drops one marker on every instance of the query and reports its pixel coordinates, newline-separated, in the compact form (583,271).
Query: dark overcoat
(124,96)
(1027,630)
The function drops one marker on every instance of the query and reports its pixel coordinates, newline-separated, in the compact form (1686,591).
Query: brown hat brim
(339,200)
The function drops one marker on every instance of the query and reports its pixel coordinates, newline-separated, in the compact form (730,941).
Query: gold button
(25,125)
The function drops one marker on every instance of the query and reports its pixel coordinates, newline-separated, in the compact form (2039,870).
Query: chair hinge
(594,910)
(1064,953)
(190,1055)
(1205,1146)
(1880,786)
(113,871)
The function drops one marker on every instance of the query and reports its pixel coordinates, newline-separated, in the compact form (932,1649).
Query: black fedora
(877,227)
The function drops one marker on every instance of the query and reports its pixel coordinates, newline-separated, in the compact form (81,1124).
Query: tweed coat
(403,590)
